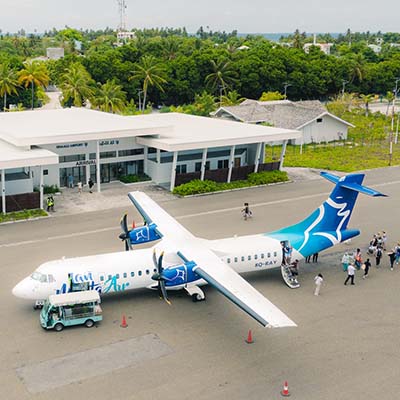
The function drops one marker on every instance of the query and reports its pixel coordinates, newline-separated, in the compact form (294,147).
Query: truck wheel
(58,327)
(89,323)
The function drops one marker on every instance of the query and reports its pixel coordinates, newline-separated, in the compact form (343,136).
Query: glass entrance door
(78,173)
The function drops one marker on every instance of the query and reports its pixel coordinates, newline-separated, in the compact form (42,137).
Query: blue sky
(245,16)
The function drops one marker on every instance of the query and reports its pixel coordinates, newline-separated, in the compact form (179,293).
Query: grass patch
(197,186)
(20,215)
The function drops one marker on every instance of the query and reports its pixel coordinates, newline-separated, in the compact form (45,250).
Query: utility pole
(285,86)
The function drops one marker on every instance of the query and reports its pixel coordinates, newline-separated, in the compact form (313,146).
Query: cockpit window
(38,276)
(50,278)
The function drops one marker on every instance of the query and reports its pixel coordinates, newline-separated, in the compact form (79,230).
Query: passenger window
(140,273)
(274,253)
(262,255)
(236,259)
(117,276)
(255,257)
(125,275)
(132,274)
(228,260)
(269,255)
(249,258)
(155,270)
(147,272)
(101,278)
(242,258)
(109,276)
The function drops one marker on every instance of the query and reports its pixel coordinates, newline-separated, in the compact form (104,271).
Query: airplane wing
(209,266)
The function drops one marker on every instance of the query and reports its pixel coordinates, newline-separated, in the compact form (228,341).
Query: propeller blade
(124,224)
(159,264)
(161,285)
(155,259)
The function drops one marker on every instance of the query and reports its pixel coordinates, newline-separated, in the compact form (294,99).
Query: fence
(25,201)
(221,175)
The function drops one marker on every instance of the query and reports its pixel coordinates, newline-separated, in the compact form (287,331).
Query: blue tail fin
(327,225)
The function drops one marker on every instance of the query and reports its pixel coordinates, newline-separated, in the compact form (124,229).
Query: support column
(203,164)
(173,171)
(98,165)
(258,154)
(158,155)
(87,172)
(145,163)
(3,191)
(231,156)
(41,186)
(283,151)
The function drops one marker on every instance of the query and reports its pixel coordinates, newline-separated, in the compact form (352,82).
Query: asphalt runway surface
(345,345)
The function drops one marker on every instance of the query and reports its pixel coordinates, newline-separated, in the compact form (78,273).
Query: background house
(315,122)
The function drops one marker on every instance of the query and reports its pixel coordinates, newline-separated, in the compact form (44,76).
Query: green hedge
(134,178)
(19,215)
(260,178)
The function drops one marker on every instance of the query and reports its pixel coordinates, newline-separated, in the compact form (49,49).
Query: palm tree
(35,74)
(222,77)
(110,97)
(366,99)
(75,84)
(356,63)
(8,82)
(389,97)
(151,71)
(231,99)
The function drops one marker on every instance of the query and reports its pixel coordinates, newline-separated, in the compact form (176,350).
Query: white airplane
(181,261)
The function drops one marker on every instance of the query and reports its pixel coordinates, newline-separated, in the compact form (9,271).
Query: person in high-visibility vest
(50,203)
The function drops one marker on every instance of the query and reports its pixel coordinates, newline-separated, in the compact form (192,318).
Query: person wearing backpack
(378,255)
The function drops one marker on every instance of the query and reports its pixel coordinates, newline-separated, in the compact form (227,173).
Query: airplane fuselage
(129,270)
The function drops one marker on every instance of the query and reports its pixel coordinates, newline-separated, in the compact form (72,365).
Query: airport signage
(85,162)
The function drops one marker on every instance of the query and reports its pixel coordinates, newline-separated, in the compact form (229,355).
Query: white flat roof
(14,157)
(193,132)
(38,127)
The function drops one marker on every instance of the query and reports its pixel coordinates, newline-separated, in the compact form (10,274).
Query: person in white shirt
(350,274)
(318,283)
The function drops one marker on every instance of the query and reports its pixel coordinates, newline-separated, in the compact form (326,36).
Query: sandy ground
(345,345)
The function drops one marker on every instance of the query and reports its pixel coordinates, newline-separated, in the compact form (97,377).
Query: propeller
(158,276)
(124,235)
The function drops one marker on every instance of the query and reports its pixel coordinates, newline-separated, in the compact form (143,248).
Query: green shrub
(260,178)
(50,189)
(134,178)
(266,177)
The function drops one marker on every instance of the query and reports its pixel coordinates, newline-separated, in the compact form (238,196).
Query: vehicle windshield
(38,276)
(45,307)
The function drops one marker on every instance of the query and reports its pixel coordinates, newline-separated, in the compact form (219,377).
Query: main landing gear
(196,293)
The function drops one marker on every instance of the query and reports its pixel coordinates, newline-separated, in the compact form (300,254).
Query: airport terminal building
(50,147)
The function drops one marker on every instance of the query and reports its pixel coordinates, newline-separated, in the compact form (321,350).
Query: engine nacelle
(144,234)
(177,275)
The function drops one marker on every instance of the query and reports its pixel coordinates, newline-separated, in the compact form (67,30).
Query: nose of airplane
(21,290)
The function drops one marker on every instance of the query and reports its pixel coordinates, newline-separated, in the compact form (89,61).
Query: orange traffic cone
(285,391)
(249,339)
(123,323)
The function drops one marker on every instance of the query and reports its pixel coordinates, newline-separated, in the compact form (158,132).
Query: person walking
(70,181)
(392,257)
(366,266)
(79,187)
(315,258)
(50,203)
(357,259)
(350,274)
(397,249)
(345,261)
(246,211)
(307,259)
(91,184)
(378,256)
(319,279)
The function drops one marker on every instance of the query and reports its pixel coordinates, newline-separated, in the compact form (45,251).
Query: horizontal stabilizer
(350,182)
